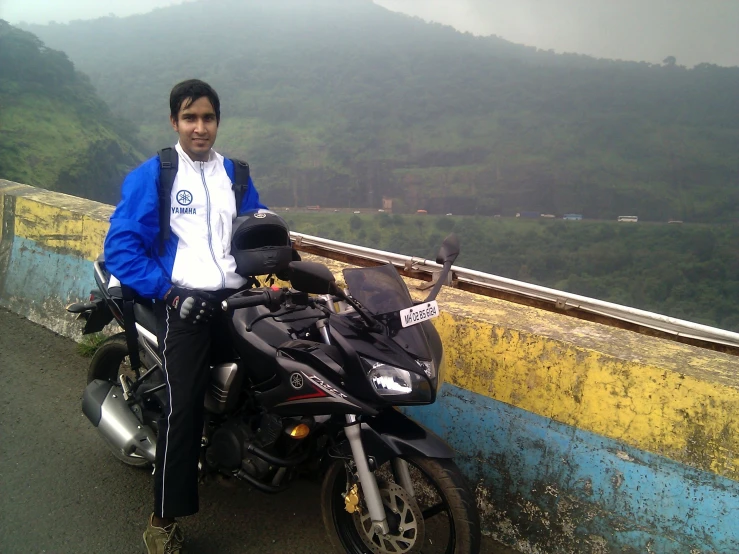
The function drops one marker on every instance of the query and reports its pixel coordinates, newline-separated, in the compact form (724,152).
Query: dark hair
(185,93)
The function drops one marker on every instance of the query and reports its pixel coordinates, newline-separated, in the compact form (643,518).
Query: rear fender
(96,314)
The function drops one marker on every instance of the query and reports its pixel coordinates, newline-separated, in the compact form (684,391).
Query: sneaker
(163,540)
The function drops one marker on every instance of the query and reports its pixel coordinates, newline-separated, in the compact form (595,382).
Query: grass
(90,344)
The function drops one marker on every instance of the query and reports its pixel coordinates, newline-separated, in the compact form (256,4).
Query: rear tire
(109,362)
(443,481)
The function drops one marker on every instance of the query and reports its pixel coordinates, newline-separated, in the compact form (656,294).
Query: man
(187,277)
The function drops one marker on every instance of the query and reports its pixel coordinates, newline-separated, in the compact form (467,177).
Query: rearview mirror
(449,250)
(312,277)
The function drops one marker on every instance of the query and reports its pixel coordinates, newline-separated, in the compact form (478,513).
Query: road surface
(62,492)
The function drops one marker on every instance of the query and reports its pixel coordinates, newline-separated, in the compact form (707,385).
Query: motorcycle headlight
(391,381)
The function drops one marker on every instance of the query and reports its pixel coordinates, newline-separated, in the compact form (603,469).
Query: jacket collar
(209,165)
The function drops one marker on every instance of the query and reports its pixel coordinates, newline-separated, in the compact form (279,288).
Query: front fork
(370,490)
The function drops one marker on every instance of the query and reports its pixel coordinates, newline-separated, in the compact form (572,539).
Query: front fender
(392,434)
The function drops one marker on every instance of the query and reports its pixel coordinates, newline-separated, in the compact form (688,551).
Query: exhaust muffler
(105,407)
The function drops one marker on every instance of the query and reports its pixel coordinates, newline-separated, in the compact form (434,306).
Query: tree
(355,222)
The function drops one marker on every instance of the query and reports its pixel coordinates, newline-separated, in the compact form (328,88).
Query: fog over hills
(342,102)
(694,32)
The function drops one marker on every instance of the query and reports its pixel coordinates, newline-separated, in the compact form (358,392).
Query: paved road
(62,492)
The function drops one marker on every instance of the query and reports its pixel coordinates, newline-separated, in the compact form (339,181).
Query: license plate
(418,314)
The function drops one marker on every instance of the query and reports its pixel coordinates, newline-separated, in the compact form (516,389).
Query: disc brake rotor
(404,518)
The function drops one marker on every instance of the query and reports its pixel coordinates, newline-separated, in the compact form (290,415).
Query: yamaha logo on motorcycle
(310,386)
(296,380)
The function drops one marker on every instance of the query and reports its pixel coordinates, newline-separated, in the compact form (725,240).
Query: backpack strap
(168,160)
(241,182)
(129,328)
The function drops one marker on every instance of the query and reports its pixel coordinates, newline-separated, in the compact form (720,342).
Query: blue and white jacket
(198,252)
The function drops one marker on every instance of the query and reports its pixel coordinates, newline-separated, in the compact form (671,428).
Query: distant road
(62,492)
(305,210)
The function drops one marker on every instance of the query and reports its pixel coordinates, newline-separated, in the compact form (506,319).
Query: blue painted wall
(580,491)
(39,280)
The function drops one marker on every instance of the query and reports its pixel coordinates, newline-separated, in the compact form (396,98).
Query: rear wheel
(440,517)
(109,363)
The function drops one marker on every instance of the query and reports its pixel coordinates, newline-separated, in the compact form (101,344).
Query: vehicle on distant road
(572,217)
(628,218)
(357,211)
(421,212)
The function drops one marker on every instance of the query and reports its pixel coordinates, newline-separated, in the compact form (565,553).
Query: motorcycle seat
(145,317)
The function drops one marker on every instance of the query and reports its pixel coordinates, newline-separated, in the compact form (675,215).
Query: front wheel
(439,517)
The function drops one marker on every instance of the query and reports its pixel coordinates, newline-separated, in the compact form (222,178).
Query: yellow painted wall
(61,222)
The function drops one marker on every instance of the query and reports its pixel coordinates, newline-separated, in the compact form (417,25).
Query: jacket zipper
(210,233)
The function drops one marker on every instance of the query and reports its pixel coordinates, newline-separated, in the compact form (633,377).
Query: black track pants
(185,351)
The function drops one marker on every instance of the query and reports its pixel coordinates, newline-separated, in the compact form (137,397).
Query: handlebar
(272,298)
(254,299)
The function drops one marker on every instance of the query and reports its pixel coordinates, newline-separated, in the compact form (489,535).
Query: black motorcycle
(311,384)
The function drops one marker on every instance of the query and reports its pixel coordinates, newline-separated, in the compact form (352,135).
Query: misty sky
(691,30)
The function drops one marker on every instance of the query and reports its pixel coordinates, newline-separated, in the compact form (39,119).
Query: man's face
(197,127)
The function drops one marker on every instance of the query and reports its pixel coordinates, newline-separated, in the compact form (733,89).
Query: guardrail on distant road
(486,284)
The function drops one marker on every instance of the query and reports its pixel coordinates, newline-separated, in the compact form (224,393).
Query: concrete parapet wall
(578,437)
(47,243)
(585,438)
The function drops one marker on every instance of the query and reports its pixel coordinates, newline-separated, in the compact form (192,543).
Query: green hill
(342,102)
(55,132)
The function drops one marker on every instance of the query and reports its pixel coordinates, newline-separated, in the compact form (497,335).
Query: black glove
(193,305)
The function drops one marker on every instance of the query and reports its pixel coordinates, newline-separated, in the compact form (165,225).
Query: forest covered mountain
(341,102)
(55,132)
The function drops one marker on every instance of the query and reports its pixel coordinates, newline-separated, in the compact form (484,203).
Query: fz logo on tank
(184,198)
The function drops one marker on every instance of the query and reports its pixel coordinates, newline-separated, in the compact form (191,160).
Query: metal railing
(582,307)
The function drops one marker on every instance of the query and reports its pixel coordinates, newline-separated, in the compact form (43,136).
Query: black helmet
(260,243)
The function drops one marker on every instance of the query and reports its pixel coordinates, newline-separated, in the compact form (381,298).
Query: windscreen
(383,292)
(379,289)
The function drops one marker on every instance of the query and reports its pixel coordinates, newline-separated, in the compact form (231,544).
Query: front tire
(109,362)
(451,520)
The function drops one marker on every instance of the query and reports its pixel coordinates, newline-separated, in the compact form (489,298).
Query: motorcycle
(311,385)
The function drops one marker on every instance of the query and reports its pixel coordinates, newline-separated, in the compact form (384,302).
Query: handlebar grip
(259,299)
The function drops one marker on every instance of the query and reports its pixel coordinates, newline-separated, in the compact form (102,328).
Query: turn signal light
(299,431)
